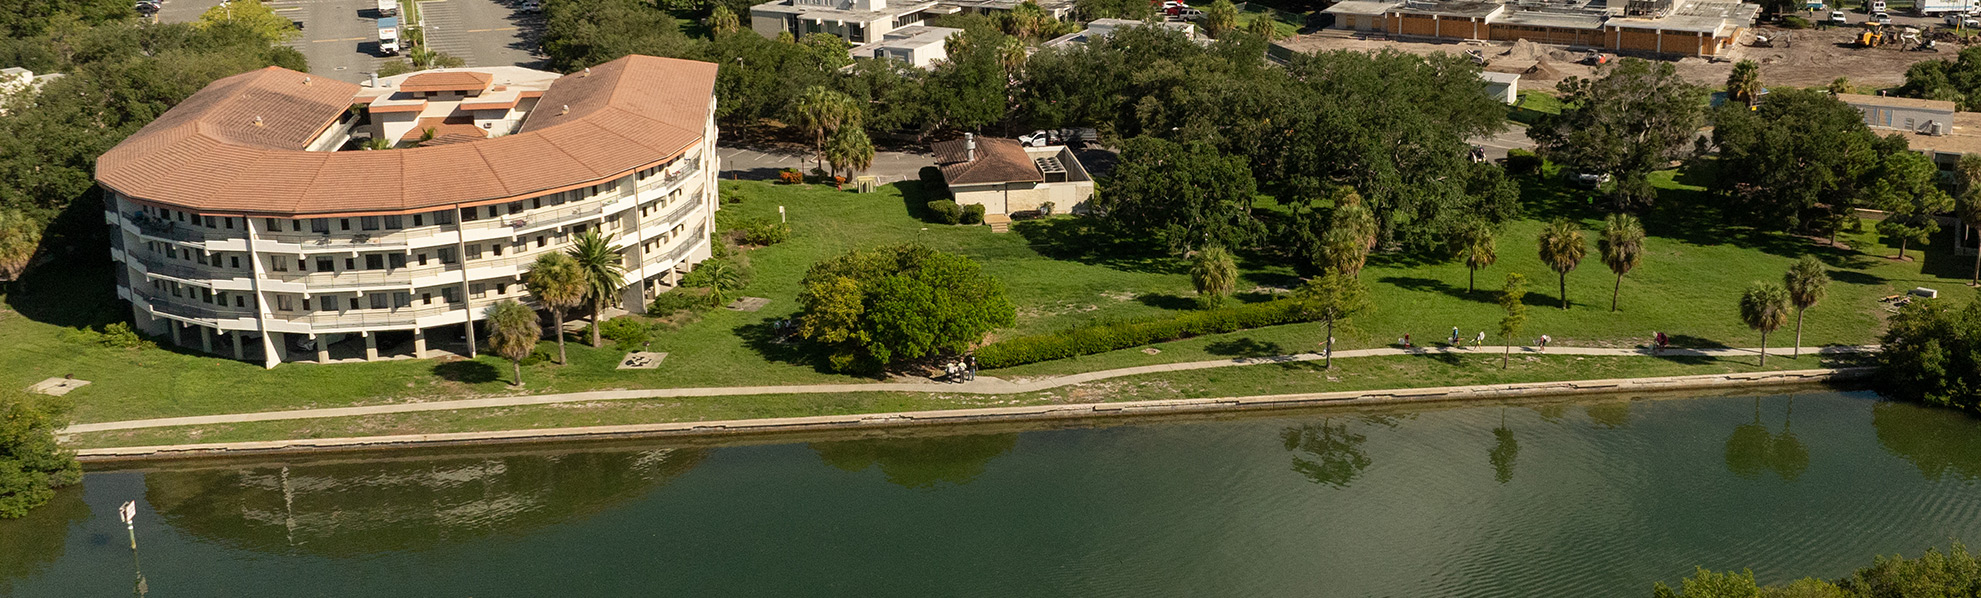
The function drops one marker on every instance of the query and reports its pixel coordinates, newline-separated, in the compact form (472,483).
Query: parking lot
(340,37)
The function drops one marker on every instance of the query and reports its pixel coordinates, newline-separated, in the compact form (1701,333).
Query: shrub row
(1112,336)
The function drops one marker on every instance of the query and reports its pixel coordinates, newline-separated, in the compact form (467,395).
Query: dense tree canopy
(1932,353)
(872,308)
(1957,80)
(1798,161)
(1954,572)
(1186,196)
(1632,121)
(582,33)
(31,465)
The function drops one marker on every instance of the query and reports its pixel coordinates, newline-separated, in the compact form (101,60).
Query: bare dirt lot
(1810,58)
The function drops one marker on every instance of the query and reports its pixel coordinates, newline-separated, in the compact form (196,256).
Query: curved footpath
(982,385)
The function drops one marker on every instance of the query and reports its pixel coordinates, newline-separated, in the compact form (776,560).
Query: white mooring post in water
(128,512)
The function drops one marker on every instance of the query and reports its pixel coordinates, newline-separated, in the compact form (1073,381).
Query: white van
(388,8)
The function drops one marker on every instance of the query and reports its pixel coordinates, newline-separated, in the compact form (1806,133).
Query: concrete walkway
(982,385)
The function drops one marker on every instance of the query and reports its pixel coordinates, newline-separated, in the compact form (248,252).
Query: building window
(295,226)
(446,254)
(539,240)
(419,220)
(470,214)
(273,225)
(395,261)
(326,264)
(379,300)
(350,263)
(240,301)
(306,304)
(501,288)
(375,262)
(279,263)
(515,207)
(320,225)
(422,259)
(368,222)
(443,217)
(354,301)
(209,222)
(394,222)
(495,248)
(450,294)
(282,303)
(426,298)
(343,224)
(234,261)
(477,290)
(474,251)
(401,300)
(228,223)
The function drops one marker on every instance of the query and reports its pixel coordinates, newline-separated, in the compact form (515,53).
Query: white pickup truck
(388,8)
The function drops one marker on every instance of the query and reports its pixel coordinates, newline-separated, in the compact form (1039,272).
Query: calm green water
(1542,500)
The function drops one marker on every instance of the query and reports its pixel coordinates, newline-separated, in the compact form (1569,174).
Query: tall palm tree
(1622,246)
(20,237)
(557,282)
(722,20)
(1764,307)
(823,110)
(1967,204)
(1214,274)
(1265,27)
(1011,55)
(1562,249)
(1744,84)
(1805,282)
(1220,17)
(1478,248)
(849,148)
(513,333)
(603,272)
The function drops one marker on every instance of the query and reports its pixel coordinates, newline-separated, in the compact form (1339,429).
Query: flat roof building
(917,45)
(252,218)
(1005,176)
(1666,27)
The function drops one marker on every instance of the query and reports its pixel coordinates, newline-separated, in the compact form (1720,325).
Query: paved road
(1515,136)
(984,385)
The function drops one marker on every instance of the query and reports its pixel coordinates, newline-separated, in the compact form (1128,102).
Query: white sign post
(780,214)
(127,512)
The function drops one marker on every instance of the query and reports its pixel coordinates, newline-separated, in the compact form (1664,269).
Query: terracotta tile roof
(997,161)
(208,155)
(449,126)
(447,81)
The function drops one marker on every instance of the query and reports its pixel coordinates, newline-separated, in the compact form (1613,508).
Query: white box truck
(388,36)
(1944,7)
(388,8)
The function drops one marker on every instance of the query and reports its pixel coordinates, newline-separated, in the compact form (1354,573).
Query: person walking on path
(1454,337)
(1406,341)
(1479,341)
(1544,342)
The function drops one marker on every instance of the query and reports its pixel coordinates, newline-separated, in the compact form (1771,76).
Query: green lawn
(1058,272)
(1348,374)
(1251,13)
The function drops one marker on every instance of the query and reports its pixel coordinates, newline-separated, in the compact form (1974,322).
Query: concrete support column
(371,346)
(176,341)
(206,340)
(322,349)
(240,352)
(419,343)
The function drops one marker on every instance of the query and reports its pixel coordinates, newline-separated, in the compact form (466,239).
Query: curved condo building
(252,220)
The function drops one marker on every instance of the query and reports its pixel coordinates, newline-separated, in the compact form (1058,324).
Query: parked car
(147,7)
(1837,18)
(532,6)
(1877,5)
(1881,18)
(1588,180)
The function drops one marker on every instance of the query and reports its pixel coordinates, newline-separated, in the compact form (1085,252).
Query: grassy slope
(1687,286)
(1356,374)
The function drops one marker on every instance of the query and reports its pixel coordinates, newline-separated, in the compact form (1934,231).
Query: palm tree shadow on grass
(1480,294)
(1086,241)
(1245,347)
(467,371)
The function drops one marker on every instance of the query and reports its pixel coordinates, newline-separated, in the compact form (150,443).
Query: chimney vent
(588,71)
(374,80)
(306,80)
(257,120)
(566,110)
(969,147)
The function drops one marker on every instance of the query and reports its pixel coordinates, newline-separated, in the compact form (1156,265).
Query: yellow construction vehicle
(1870,38)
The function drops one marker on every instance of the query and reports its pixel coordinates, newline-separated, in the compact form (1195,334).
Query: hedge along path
(982,385)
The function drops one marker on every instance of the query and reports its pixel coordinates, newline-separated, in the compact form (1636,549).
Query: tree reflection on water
(1505,451)
(1752,451)
(1337,453)
(919,462)
(31,543)
(356,506)
(1937,440)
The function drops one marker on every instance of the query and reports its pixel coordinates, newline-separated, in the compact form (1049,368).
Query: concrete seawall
(990,415)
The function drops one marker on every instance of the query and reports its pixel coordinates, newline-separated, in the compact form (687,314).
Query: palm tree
(1011,55)
(1220,17)
(1562,248)
(1622,246)
(822,110)
(722,20)
(1265,27)
(603,273)
(1214,274)
(1805,282)
(1476,245)
(1764,307)
(1967,205)
(720,276)
(1841,85)
(849,148)
(557,282)
(513,333)
(1744,85)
